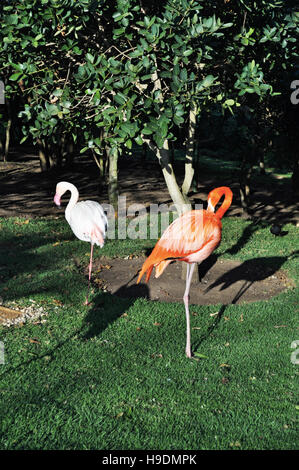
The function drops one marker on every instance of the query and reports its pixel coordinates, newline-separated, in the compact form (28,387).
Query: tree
(107,76)
(168,67)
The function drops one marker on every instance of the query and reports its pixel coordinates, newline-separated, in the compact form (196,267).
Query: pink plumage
(191,238)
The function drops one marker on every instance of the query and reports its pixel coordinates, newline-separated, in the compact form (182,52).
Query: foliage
(112,75)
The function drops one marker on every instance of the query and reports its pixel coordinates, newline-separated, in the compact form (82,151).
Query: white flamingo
(87,220)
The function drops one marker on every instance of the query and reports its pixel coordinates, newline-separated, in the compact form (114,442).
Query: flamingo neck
(73,200)
(214,198)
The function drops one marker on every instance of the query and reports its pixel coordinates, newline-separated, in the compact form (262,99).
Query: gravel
(33,312)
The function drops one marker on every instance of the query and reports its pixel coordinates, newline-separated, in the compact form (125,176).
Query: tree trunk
(112,178)
(7,139)
(245,175)
(69,152)
(179,199)
(262,164)
(190,149)
(43,157)
(181,202)
(7,132)
(101,161)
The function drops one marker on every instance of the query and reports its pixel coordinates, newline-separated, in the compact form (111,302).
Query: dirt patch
(221,281)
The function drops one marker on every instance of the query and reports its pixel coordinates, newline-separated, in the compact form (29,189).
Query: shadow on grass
(107,308)
(250,271)
(210,329)
(247,234)
(19,257)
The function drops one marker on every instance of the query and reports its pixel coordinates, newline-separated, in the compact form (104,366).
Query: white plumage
(87,219)
(85,216)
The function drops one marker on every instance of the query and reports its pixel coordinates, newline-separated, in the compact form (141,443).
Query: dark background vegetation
(175,78)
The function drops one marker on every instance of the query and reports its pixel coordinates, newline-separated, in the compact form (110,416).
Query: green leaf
(138,140)
(208,80)
(201,356)
(120,98)
(229,102)
(146,131)
(52,109)
(184,75)
(129,143)
(187,52)
(57,92)
(15,76)
(178,120)
(117,16)
(90,57)
(11,19)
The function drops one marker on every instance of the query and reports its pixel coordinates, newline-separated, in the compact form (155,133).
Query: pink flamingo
(86,219)
(192,237)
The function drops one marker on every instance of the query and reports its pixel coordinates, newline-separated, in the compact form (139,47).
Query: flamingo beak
(57,200)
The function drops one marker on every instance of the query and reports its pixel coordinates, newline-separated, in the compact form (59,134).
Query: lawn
(114,375)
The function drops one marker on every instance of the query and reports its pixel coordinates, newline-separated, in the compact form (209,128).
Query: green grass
(98,379)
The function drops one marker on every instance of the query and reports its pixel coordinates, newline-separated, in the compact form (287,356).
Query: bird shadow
(257,269)
(107,308)
(248,231)
(136,290)
(206,265)
(216,320)
(246,235)
(250,271)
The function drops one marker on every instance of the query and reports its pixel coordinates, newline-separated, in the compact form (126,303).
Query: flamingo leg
(89,275)
(190,269)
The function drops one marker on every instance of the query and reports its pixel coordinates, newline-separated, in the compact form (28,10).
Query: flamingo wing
(193,236)
(89,222)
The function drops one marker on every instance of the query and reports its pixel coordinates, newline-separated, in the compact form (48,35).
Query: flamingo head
(57,200)
(60,190)
(214,197)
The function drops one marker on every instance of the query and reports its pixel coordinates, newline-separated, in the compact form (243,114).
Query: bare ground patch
(221,281)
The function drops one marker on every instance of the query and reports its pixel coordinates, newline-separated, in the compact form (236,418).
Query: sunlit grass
(114,375)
